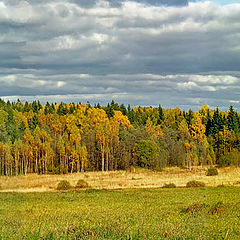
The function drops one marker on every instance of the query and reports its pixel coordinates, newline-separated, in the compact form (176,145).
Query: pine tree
(160,114)
(217,123)
(232,120)
(34,122)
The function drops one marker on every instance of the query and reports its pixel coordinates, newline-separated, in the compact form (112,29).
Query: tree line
(65,138)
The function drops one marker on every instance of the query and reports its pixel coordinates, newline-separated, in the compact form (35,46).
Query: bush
(64,185)
(169,185)
(81,184)
(212,171)
(224,161)
(195,183)
(229,159)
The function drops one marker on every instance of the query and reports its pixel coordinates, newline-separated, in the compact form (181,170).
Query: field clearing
(139,178)
(183,213)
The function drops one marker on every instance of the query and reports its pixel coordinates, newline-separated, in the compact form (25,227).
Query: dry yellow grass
(120,179)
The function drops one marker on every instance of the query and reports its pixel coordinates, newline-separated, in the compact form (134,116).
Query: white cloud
(9,79)
(214,79)
(187,86)
(60,84)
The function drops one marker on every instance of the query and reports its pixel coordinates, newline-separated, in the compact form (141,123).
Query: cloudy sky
(176,53)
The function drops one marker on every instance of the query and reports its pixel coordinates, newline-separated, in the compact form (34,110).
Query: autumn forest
(66,138)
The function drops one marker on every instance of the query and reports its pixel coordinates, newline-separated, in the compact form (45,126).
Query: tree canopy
(64,138)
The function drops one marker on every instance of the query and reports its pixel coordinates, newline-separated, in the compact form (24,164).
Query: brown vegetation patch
(194,208)
(218,208)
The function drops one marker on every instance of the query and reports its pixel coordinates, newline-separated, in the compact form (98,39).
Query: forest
(66,138)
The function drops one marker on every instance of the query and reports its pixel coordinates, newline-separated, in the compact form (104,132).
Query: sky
(176,53)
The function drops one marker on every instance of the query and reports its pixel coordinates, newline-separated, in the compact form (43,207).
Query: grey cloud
(142,52)
(90,3)
(139,89)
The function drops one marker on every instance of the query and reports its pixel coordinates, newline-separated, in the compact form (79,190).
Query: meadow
(136,178)
(182,213)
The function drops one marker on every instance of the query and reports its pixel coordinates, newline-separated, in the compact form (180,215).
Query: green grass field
(196,213)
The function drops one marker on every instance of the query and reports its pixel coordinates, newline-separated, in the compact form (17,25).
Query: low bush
(212,171)
(195,183)
(169,185)
(64,185)
(81,184)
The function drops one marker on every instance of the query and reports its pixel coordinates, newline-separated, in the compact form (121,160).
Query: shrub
(64,185)
(195,183)
(169,185)
(212,171)
(224,161)
(81,184)
(231,158)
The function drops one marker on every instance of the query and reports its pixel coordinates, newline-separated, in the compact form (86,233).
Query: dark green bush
(224,161)
(195,183)
(81,184)
(229,159)
(169,185)
(212,171)
(64,185)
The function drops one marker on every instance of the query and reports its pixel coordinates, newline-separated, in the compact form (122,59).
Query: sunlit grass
(122,214)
